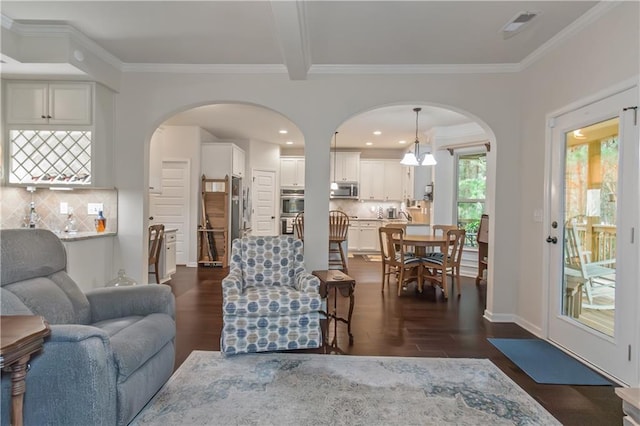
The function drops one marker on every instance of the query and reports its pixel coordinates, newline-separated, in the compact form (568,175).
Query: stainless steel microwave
(346,190)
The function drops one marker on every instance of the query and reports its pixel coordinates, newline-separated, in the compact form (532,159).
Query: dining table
(420,243)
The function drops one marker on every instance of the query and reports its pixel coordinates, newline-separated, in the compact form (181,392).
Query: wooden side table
(22,336)
(338,281)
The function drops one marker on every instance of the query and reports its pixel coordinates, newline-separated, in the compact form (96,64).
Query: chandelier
(413,158)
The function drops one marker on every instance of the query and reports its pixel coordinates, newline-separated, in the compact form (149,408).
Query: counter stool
(338,228)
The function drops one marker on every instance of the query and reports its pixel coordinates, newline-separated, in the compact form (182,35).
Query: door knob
(551,239)
(150,217)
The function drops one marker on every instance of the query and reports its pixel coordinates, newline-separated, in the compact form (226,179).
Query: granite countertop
(79,236)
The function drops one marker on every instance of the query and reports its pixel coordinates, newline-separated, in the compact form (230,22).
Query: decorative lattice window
(50,156)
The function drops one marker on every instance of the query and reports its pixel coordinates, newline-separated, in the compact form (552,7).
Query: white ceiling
(306,37)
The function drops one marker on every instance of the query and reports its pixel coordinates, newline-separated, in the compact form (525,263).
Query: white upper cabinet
(292,171)
(347,166)
(382,180)
(237,161)
(49,103)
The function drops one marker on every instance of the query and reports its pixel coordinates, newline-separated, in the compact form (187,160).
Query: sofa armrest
(307,282)
(71,381)
(232,283)
(116,302)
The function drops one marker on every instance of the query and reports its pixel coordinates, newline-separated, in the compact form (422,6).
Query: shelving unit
(214,227)
(483,248)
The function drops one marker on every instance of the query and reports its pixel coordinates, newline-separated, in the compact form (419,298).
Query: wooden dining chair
(156,236)
(395,260)
(298,226)
(338,230)
(437,266)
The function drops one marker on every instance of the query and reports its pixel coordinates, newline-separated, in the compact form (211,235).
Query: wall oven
(291,203)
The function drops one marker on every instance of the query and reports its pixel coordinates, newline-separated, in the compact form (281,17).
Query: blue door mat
(547,364)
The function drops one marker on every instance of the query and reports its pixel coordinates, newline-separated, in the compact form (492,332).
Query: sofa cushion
(262,300)
(54,297)
(135,339)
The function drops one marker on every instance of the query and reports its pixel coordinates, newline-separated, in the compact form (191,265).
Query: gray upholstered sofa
(110,350)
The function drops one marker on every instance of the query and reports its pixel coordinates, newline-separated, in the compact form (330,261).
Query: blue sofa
(110,350)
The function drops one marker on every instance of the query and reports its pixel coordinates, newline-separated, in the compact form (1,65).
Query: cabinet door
(168,256)
(407,183)
(288,172)
(27,103)
(393,172)
(155,162)
(350,164)
(300,171)
(237,162)
(70,103)
(352,236)
(369,236)
(372,180)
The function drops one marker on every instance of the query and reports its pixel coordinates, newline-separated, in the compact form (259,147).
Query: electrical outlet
(94,208)
(64,208)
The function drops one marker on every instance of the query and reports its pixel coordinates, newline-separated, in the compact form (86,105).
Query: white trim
(415,69)
(491,317)
(530,327)
(576,26)
(206,68)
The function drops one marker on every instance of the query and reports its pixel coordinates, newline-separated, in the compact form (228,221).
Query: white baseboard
(530,327)
(192,264)
(491,317)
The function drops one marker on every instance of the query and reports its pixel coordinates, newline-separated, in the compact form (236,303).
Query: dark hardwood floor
(415,325)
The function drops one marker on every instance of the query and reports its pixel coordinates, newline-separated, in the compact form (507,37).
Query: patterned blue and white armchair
(269,301)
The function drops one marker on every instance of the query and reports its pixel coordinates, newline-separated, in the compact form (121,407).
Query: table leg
(351,303)
(18,386)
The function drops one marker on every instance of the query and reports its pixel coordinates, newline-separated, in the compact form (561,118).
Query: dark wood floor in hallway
(415,325)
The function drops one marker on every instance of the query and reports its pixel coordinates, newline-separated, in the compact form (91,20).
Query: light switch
(94,208)
(64,208)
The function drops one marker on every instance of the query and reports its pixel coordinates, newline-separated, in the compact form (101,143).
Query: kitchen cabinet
(90,260)
(292,172)
(155,161)
(167,262)
(72,146)
(347,166)
(382,180)
(237,161)
(363,236)
(408,183)
(220,159)
(49,103)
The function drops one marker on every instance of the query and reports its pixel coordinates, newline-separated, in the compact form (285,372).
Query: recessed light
(283,132)
(289,142)
(377,133)
(402,141)
(369,143)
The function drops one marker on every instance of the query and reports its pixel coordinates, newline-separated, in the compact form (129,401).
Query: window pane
(469,214)
(472,172)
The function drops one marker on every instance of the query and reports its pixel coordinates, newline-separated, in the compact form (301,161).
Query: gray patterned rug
(310,389)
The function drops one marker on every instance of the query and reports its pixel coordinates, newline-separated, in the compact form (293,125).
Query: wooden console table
(22,336)
(342,282)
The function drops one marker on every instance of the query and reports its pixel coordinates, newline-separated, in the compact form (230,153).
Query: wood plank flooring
(411,325)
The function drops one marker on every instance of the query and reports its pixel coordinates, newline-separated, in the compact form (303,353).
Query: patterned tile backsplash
(15,202)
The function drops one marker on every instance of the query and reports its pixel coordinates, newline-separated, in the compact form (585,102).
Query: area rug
(547,364)
(315,389)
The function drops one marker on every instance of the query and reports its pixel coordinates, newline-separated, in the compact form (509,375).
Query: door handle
(273,217)
(553,240)
(150,217)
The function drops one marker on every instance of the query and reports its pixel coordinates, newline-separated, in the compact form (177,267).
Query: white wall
(183,143)
(597,57)
(601,56)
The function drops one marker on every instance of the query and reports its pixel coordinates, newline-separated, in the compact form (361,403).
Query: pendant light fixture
(334,184)
(413,158)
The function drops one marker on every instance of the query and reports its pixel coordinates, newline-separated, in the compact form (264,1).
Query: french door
(593,234)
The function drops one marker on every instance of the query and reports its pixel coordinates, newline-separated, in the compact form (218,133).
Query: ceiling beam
(291,27)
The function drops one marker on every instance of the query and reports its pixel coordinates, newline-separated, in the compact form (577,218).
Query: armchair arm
(232,284)
(307,282)
(116,302)
(72,380)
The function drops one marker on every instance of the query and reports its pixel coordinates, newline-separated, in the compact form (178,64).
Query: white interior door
(171,206)
(593,252)
(264,203)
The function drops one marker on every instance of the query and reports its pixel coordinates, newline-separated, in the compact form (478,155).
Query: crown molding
(415,69)
(61,30)
(588,18)
(206,68)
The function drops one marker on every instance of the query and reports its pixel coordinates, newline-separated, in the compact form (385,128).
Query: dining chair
(156,235)
(338,229)
(395,260)
(298,226)
(436,266)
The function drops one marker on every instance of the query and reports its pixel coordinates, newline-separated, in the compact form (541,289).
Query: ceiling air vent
(518,23)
